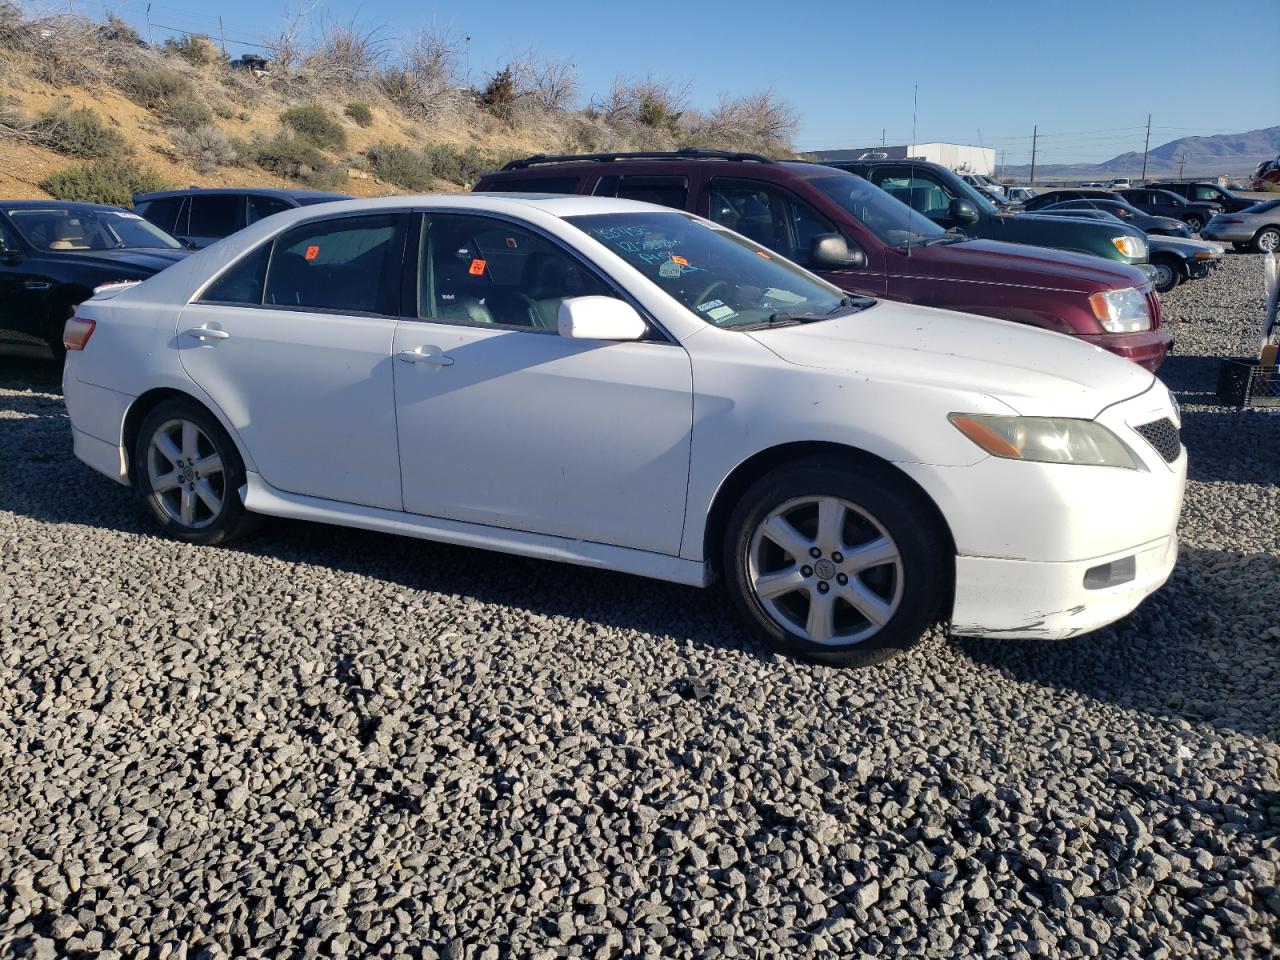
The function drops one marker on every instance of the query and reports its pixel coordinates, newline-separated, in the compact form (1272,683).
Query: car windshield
(892,221)
(57,230)
(719,276)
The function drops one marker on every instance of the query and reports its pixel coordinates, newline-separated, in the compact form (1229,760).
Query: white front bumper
(1021,599)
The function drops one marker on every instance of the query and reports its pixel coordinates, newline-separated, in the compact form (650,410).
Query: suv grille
(1162,435)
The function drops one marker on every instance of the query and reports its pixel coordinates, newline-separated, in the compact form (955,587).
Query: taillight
(77,333)
(1228,219)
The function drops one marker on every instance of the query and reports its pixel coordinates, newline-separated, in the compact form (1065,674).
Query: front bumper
(1147,348)
(1199,269)
(1227,233)
(1020,599)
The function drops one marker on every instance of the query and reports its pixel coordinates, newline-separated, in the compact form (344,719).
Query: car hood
(1185,246)
(1037,266)
(142,260)
(1031,370)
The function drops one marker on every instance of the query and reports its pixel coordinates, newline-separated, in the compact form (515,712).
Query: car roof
(673,164)
(556,204)
(58,204)
(282,193)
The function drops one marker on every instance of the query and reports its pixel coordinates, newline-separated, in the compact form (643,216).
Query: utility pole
(1182,159)
(882,131)
(1035,135)
(1146,144)
(150,37)
(222,34)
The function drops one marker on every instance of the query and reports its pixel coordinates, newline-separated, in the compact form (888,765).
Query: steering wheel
(706,294)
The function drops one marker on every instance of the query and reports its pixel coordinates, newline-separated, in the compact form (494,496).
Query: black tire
(1267,240)
(1242,247)
(1168,273)
(919,583)
(1194,224)
(169,505)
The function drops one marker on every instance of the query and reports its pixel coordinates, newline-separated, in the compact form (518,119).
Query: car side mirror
(600,318)
(831,251)
(962,211)
(10,257)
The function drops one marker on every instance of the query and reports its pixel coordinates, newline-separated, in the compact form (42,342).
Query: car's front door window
(261,207)
(219,215)
(770,216)
(920,193)
(481,270)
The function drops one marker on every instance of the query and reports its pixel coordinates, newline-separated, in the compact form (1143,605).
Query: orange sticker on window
(312,253)
(511,243)
(477,268)
(680,260)
(762,254)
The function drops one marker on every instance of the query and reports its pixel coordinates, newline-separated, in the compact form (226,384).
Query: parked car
(1126,213)
(1120,183)
(1207,193)
(1020,194)
(1093,183)
(950,202)
(1256,227)
(1265,173)
(1161,203)
(52,256)
(807,211)
(989,185)
(657,395)
(1173,259)
(200,216)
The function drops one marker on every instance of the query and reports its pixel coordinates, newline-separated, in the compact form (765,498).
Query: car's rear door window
(346,265)
(664,191)
(219,215)
(483,270)
(260,207)
(532,185)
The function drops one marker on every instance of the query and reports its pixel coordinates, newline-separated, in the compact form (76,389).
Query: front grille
(1162,435)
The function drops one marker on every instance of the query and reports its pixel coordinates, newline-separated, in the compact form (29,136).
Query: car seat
(68,234)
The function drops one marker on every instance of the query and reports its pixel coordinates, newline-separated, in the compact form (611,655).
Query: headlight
(1046,440)
(1121,311)
(1133,247)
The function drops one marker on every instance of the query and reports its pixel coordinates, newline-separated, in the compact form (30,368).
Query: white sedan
(618,385)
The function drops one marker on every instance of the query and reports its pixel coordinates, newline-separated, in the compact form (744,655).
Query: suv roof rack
(687,153)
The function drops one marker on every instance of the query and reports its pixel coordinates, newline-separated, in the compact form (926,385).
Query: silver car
(1256,227)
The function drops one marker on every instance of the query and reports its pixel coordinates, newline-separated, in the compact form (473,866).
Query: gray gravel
(331,743)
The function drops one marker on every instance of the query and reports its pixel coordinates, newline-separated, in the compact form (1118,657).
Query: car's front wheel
(836,561)
(1267,240)
(190,472)
(1166,274)
(1194,224)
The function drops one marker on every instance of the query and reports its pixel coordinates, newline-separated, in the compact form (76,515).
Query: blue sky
(1087,71)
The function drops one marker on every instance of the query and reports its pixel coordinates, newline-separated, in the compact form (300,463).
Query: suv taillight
(77,333)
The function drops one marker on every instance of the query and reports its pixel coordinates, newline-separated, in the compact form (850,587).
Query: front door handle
(427,356)
(207,332)
(37,285)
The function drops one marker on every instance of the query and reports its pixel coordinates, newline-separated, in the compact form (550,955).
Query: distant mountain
(1224,154)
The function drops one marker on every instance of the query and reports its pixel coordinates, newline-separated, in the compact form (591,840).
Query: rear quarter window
(503,184)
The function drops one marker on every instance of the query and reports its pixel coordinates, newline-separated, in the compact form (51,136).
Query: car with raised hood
(1126,213)
(1255,228)
(618,385)
(199,216)
(866,242)
(52,256)
(952,203)
(1173,259)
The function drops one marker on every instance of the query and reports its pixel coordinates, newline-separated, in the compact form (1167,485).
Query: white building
(959,157)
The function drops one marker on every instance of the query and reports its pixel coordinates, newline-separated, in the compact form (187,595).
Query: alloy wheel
(825,570)
(1269,241)
(1194,225)
(186,474)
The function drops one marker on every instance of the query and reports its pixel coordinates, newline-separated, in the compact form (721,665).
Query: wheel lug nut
(806,571)
(841,579)
(823,587)
(815,552)
(838,557)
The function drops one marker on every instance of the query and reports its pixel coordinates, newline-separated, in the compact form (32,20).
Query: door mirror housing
(600,318)
(10,257)
(961,210)
(831,251)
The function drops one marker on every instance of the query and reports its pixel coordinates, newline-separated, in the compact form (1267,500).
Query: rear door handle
(207,332)
(427,356)
(37,285)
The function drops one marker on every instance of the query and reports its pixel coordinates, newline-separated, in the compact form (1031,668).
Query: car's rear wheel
(190,473)
(836,561)
(1167,274)
(1194,224)
(1267,240)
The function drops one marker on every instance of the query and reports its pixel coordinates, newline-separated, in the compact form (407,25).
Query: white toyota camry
(618,385)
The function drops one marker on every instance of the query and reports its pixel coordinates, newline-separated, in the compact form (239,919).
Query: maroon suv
(865,241)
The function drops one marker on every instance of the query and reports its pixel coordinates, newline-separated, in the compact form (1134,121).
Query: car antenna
(911,167)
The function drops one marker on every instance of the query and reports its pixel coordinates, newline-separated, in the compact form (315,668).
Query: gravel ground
(329,743)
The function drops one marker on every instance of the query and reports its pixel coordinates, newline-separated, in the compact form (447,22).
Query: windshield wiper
(783,319)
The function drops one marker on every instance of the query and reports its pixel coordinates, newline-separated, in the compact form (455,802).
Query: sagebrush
(103,181)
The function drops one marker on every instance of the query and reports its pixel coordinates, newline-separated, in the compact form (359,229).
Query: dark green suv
(943,197)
